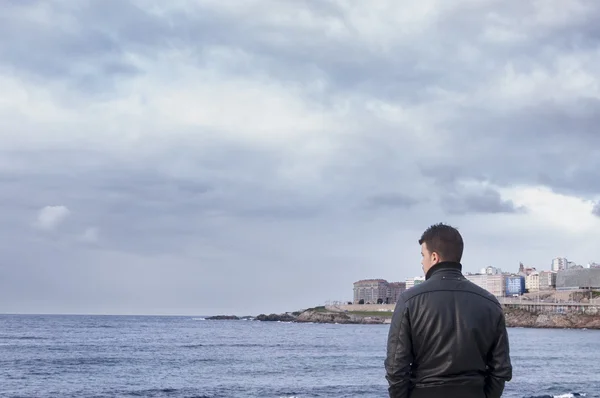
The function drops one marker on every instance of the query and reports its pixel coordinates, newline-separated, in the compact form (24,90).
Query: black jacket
(447,338)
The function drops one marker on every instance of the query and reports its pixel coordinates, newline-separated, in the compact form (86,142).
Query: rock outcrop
(525,319)
(339,317)
(276,318)
(223,317)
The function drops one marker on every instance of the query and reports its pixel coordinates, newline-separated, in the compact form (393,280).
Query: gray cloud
(201,145)
(391,200)
(487,201)
(596,209)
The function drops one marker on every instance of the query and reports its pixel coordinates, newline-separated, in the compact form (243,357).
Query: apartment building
(515,285)
(532,282)
(412,282)
(494,284)
(491,271)
(395,289)
(547,280)
(559,263)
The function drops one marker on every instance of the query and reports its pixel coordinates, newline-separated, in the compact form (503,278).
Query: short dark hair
(445,241)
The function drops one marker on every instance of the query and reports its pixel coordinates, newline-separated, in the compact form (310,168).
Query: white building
(493,271)
(494,284)
(490,271)
(411,282)
(532,282)
(559,263)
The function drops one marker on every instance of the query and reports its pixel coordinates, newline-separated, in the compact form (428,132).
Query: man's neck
(443,265)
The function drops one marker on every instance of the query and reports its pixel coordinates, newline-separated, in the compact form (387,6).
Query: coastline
(515,318)
(524,319)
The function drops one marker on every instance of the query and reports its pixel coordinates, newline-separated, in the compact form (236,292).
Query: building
(412,282)
(515,285)
(532,282)
(491,270)
(492,283)
(370,291)
(547,280)
(579,278)
(529,271)
(559,263)
(377,291)
(395,289)
(524,271)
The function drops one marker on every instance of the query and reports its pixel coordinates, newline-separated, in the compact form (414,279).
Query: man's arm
(399,353)
(499,366)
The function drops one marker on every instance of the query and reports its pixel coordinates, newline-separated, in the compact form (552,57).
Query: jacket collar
(444,265)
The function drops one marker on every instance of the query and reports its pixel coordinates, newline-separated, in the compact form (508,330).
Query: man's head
(439,243)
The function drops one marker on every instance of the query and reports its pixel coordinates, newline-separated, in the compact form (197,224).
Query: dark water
(98,356)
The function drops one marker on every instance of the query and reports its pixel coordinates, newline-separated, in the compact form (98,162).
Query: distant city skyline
(500,283)
(548,267)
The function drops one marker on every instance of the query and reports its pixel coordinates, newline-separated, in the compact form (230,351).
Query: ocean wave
(23,338)
(165,392)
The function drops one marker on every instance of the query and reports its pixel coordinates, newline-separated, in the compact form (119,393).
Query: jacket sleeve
(399,357)
(499,366)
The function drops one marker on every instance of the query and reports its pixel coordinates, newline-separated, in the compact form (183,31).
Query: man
(448,337)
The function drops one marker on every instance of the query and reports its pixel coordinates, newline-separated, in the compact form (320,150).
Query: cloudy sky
(206,157)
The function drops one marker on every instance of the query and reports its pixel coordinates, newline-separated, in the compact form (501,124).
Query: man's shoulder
(414,291)
(479,291)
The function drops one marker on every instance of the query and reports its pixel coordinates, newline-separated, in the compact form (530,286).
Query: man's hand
(499,366)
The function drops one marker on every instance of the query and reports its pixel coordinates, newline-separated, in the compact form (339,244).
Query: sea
(155,356)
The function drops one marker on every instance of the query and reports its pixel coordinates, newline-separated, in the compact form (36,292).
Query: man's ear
(435,258)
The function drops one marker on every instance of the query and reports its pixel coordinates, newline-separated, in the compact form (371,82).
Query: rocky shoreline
(313,315)
(514,318)
(524,319)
